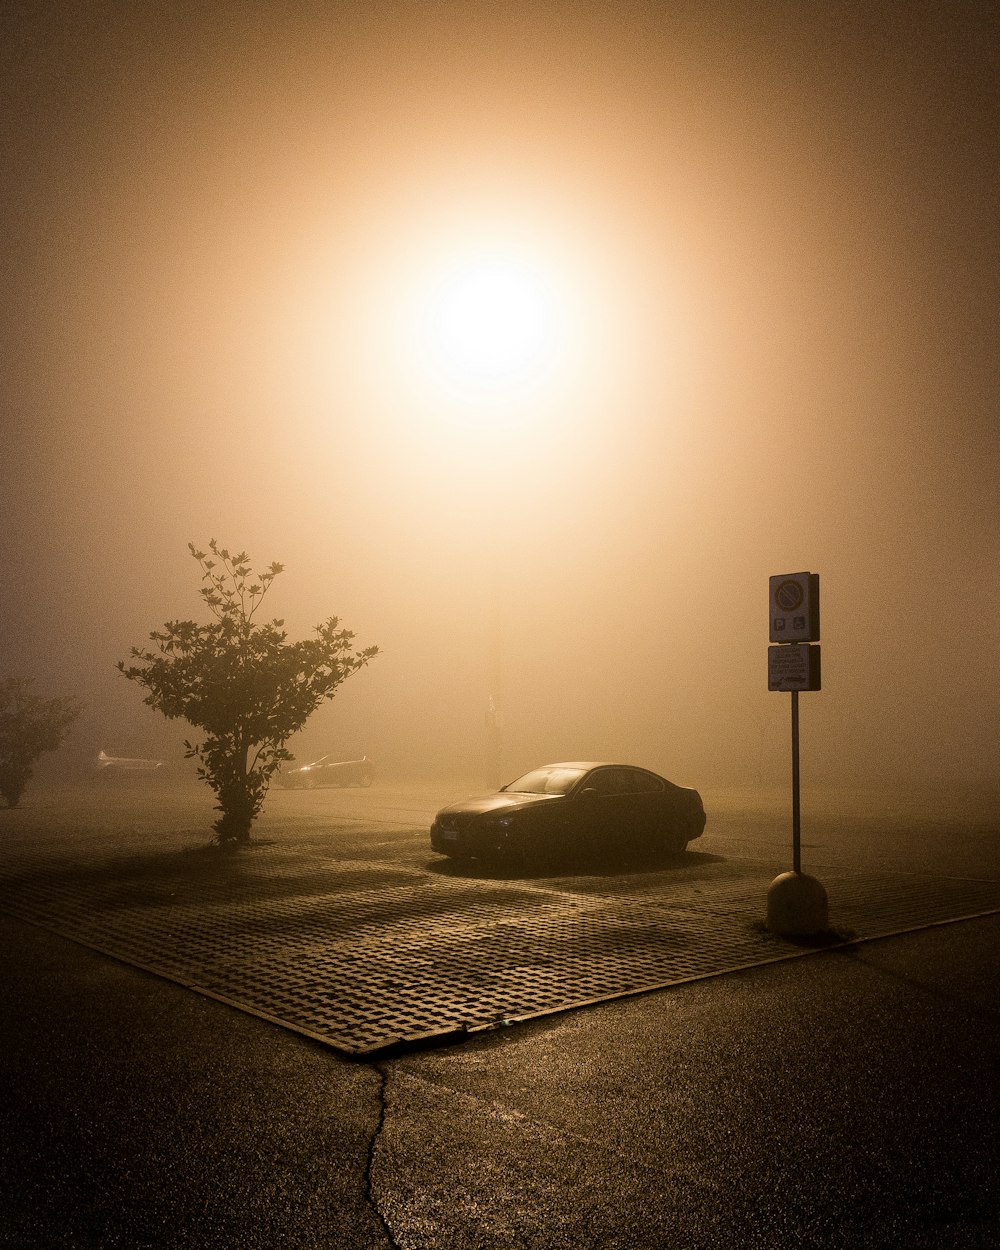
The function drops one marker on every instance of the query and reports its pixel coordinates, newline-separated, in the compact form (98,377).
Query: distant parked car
(328,770)
(573,808)
(111,765)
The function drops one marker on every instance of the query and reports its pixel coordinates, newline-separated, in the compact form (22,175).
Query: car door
(649,813)
(612,811)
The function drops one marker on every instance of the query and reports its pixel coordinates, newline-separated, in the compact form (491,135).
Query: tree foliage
(241,682)
(29,726)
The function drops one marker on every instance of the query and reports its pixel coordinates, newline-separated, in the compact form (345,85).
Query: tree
(242,683)
(29,726)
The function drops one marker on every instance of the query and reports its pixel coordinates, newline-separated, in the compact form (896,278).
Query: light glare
(490,323)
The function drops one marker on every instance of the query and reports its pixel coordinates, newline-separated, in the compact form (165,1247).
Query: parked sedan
(328,770)
(115,765)
(579,807)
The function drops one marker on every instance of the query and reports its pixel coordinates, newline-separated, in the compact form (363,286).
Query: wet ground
(845,1097)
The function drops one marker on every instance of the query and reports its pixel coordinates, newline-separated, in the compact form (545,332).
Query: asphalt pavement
(845,1099)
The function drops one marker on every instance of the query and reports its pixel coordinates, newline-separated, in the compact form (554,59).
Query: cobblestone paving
(364,954)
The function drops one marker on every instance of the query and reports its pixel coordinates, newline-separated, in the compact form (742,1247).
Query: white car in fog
(112,764)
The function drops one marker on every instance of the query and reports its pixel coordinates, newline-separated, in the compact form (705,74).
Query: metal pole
(494,716)
(796,823)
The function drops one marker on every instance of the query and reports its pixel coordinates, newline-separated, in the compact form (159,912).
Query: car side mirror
(588,792)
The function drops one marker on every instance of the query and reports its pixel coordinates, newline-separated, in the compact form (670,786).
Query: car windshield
(551,780)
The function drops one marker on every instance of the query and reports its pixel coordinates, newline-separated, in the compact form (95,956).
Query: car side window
(641,782)
(608,781)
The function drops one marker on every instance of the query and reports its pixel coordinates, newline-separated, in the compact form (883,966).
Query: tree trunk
(12,783)
(236,804)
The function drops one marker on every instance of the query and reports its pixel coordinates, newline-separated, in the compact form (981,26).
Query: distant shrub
(29,726)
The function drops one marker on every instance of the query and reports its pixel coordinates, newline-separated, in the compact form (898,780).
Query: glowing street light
(484,347)
(488,334)
(491,326)
(491,331)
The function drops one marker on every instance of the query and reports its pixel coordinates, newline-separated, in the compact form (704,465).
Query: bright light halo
(490,325)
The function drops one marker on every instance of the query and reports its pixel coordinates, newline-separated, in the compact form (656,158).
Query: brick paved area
(363,954)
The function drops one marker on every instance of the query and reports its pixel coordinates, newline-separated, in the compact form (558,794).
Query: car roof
(587,765)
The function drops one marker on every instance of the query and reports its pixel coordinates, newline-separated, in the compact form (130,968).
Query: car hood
(480,806)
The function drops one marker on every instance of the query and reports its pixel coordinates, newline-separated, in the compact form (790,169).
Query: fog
(776,226)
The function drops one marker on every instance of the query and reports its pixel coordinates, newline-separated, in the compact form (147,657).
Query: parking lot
(341,924)
(786,1104)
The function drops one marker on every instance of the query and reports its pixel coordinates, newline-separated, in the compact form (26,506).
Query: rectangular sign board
(794,607)
(794,667)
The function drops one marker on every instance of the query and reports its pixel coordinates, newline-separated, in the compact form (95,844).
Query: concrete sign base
(797,905)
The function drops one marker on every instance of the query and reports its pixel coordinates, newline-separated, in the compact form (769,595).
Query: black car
(328,770)
(579,807)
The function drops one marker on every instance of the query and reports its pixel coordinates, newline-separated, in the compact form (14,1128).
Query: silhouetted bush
(242,683)
(29,726)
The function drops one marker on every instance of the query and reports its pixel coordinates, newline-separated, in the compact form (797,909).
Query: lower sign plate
(793,667)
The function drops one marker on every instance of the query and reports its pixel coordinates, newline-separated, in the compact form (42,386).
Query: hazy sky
(775,224)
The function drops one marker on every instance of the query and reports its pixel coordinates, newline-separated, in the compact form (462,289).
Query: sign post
(796,904)
(796,812)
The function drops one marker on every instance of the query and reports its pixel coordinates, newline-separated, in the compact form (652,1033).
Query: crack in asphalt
(383,1082)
